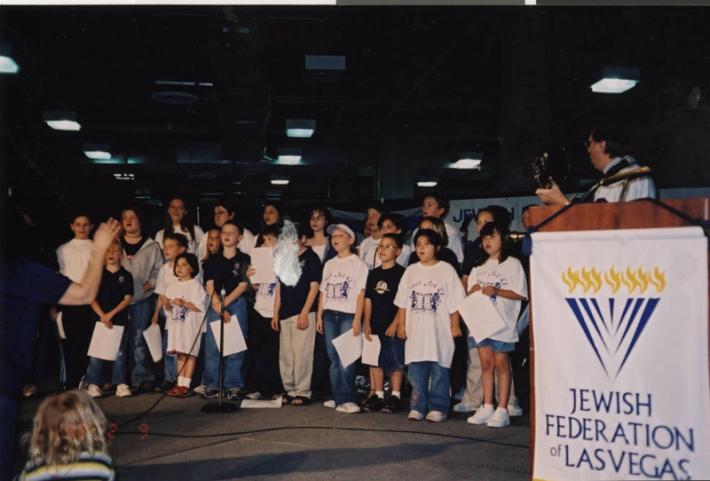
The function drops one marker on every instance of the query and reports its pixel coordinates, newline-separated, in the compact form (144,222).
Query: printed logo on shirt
(381,287)
(179,313)
(267,290)
(337,287)
(236,269)
(121,279)
(425,296)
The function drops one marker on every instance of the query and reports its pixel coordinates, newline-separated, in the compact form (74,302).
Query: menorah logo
(613,325)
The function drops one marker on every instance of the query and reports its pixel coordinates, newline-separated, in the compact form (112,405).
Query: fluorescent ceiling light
(289,156)
(97,151)
(300,128)
(467,162)
(617,80)
(62,120)
(8,65)
(279,181)
(427,183)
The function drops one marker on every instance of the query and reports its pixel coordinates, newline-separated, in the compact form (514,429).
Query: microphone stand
(220,406)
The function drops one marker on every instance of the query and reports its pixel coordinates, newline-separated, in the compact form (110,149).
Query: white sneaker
(435,416)
(94,390)
(415,415)
(348,408)
(483,414)
(499,419)
(201,389)
(514,410)
(122,390)
(464,407)
(330,404)
(254,396)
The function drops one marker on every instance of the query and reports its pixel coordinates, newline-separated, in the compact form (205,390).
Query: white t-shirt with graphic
(343,280)
(507,275)
(264,303)
(430,294)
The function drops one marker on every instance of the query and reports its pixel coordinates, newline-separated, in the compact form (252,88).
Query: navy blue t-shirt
(381,290)
(227,272)
(294,297)
(115,286)
(25,286)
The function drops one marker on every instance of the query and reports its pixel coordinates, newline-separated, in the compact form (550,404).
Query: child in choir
(368,247)
(111,306)
(391,223)
(68,440)
(380,320)
(444,253)
(436,205)
(213,244)
(318,239)
(184,309)
(264,340)
(500,277)
(295,320)
(226,272)
(224,210)
(178,221)
(428,297)
(340,309)
(173,246)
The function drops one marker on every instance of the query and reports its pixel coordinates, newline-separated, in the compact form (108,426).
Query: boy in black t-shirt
(295,318)
(111,307)
(380,314)
(226,270)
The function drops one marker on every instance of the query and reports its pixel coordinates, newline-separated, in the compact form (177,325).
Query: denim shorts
(391,353)
(497,346)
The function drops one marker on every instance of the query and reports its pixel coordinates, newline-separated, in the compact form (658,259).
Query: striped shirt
(96,467)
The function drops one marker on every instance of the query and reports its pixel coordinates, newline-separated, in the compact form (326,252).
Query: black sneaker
(234,394)
(210,393)
(374,403)
(392,405)
(165,386)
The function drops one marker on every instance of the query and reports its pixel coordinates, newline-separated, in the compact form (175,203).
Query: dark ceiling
(420,85)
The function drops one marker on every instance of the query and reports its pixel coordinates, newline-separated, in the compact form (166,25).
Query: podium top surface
(638,214)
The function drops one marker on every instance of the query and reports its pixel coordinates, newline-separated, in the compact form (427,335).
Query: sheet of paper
(481,316)
(60,326)
(371,351)
(154,340)
(233,337)
(105,342)
(262,260)
(262,403)
(349,347)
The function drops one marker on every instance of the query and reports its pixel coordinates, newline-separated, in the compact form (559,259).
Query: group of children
(408,295)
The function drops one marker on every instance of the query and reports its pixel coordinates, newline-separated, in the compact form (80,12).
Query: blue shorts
(497,346)
(391,353)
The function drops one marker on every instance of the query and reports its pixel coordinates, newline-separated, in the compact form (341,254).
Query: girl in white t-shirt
(184,306)
(501,278)
(340,309)
(428,297)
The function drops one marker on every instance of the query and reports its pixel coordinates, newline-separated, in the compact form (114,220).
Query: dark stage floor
(304,443)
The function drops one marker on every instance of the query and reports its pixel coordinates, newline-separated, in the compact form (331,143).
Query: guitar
(548,169)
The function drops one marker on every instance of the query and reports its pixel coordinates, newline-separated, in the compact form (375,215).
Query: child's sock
(184,381)
(397,393)
(380,394)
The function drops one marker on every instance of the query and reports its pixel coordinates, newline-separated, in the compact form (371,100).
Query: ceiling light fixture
(617,80)
(61,120)
(97,151)
(279,180)
(289,156)
(467,161)
(300,128)
(7,63)
(427,183)
(124,176)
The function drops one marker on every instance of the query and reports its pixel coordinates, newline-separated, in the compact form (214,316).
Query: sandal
(301,401)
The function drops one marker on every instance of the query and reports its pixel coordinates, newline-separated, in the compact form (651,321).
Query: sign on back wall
(620,323)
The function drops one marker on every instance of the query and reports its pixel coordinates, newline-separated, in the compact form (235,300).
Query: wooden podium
(639,214)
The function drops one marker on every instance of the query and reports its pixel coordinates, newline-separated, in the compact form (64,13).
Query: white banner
(620,323)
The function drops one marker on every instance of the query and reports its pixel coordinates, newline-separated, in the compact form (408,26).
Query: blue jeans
(139,315)
(169,362)
(430,387)
(118,370)
(233,376)
(342,379)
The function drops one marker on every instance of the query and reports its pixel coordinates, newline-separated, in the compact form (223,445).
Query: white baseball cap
(342,227)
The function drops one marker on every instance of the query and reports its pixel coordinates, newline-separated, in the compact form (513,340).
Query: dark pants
(78,324)
(459,365)
(265,348)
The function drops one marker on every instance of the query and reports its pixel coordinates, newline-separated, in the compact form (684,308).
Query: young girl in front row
(428,297)
(68,440)
(340,308)
(501,278)
(184,306)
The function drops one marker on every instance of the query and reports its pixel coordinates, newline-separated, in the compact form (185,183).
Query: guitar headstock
(541,170)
